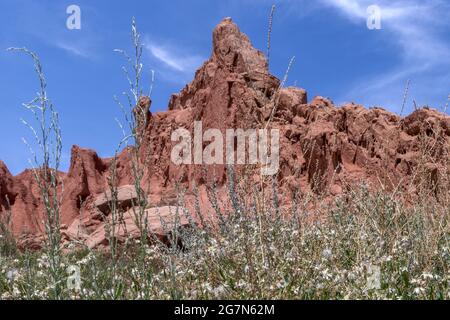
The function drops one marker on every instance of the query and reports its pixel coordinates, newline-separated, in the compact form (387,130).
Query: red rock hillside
(323,148)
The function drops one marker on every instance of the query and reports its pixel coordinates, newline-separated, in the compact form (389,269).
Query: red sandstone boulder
(125,197)
(161,222)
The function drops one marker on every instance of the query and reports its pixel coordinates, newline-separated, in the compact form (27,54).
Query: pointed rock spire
(233,49)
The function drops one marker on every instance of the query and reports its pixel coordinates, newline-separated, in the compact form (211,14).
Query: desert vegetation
(360,236)
(368,242)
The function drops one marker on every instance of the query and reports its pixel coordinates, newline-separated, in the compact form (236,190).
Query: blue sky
(337,56)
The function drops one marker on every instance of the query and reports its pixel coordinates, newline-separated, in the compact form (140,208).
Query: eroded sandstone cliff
(323,148)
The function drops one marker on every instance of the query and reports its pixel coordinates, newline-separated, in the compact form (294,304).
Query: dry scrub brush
(367,245)
(46,159)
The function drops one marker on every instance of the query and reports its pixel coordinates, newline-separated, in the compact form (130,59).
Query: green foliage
(306,258)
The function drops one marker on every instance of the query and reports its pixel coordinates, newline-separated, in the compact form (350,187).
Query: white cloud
(416,27)
(164,56)
(73,49)
(172,63)
(51,31)
(177,62)
(412,24)
(358,9)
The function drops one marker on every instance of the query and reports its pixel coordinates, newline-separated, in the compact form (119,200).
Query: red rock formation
(322,147)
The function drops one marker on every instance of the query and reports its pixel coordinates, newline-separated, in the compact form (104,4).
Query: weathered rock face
(19,200)
(323,148)
(6,188)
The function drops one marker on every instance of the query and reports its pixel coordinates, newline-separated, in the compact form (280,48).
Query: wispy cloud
(51,30)
(417,27)
(413,24)
(73,49)
(167,58)
(173,62)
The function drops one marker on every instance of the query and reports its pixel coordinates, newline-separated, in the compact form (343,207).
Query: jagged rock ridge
(322,147)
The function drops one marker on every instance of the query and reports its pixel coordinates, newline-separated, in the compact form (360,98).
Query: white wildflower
(418,290)
(11,274)
(327,253)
